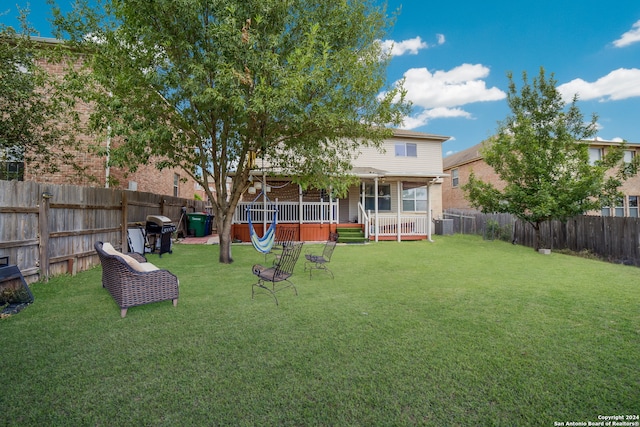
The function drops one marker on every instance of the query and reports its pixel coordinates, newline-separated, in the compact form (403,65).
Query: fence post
(125,218)
(43,232)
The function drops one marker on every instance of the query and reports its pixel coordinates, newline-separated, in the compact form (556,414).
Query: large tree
(209,85)
(34,114)
(541,155)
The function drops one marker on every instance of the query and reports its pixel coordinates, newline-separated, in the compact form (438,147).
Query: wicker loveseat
(132,281)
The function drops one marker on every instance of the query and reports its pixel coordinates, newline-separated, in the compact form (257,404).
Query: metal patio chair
(276,278)
(319,262)
(284,238)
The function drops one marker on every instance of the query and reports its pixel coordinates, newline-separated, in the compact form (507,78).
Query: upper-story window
(11,165)
(176,185)
(595,154)
(628,156)
(455,179)
(405,149)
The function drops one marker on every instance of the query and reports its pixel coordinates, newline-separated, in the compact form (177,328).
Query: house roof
(460,158)
(401,133)
(472,154)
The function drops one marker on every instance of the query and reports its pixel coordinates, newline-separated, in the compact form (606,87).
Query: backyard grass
(460,331)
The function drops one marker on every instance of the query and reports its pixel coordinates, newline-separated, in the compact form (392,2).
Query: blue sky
(455,57)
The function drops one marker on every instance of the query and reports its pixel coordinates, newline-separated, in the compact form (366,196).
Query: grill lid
(159,220)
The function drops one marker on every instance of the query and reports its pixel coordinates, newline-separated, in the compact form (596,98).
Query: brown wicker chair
(136,282)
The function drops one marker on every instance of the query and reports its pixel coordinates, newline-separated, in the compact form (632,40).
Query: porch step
(350,235)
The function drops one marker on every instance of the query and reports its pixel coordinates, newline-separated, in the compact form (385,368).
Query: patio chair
(319,262)
(132,281)
(284,238)
(276,278)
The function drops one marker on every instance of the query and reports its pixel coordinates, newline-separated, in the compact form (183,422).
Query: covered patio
(383,206)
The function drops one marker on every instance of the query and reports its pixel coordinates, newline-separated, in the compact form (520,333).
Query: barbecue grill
(159,229)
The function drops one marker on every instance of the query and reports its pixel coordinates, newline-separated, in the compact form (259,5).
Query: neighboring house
(459,166)
(93,167)
(398,194)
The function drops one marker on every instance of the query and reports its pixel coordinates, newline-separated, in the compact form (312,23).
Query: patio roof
(367,172)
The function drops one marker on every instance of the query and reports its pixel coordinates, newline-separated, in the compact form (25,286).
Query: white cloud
(630,37)
(410,46)
(422,118)
(458,86)
(619,84)
(441,38)
(439,94)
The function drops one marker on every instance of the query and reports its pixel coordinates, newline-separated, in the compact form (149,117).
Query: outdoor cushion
(137,266)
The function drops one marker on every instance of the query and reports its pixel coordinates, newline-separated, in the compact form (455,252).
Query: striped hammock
(265,243)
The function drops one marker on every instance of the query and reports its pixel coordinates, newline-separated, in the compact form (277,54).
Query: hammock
(265,243)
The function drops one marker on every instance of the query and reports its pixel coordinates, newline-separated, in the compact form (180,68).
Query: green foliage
(35,116)
(540,155)
(493,230)
(210,85)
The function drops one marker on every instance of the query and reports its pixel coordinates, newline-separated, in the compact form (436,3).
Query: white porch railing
(292,212)
(409,225)
(364,220)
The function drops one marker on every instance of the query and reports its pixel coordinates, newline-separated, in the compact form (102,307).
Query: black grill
(159,229)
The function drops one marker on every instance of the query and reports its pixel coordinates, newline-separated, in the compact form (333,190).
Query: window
(628,156)
(633,206)
(11,165)
(176,185)
(404,149)
(414,199)
(455,180)
(384,197)
(595,154)
(619,208)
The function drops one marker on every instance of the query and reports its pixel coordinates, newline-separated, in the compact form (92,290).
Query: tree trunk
(224,233)
(536,234)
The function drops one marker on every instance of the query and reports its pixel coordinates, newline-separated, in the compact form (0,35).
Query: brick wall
(453,196)
(88,168)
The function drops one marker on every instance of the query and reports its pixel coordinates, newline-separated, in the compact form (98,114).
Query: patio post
(399,219)
(300,207)
(429,219)
(375,206)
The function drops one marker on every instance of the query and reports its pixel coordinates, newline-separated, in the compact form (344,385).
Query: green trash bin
(197,221)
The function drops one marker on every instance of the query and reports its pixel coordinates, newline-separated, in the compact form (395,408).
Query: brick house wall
(460,165)
(90,169)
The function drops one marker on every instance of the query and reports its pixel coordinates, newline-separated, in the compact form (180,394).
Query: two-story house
(459,166)
(398,194)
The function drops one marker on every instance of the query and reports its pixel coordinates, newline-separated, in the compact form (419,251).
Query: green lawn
(456,332)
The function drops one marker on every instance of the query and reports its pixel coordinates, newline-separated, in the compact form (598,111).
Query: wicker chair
(132,281)
(278,275)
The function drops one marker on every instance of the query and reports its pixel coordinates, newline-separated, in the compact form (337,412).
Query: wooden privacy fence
(616,239)
(50,229)
(490,226)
